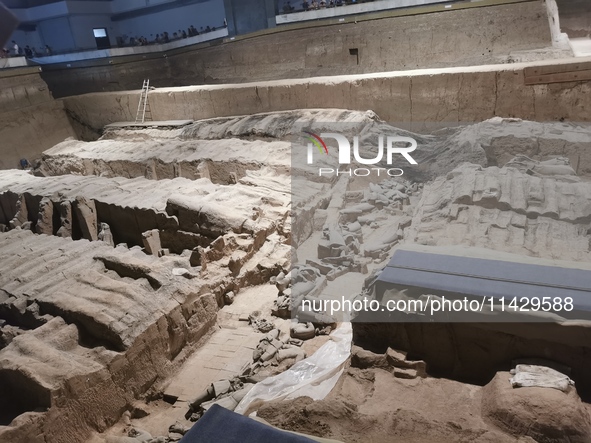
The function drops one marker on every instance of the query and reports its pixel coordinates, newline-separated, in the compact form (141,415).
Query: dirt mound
(545,414)
(373,405)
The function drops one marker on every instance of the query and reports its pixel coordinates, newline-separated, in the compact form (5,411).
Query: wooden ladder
(143,108)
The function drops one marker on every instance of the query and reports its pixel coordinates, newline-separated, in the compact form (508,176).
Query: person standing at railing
(16,49)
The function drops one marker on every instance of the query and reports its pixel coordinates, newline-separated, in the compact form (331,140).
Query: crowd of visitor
(14,50)
(166,37)
(308,5)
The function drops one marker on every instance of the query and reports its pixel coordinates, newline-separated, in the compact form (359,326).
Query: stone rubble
(272,350)
(393,361)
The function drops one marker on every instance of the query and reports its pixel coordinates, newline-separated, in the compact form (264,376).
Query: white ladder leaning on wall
(143,108)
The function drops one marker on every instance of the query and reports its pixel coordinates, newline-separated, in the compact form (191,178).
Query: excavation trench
(123,323)
(126,224)
(114,273)
(110,384)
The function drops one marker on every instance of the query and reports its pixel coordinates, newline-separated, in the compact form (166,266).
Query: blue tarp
(221,425)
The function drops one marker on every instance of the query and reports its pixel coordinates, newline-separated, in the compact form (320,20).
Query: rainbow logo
(318,142)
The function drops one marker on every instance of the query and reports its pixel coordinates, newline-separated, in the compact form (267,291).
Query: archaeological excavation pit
(360,222)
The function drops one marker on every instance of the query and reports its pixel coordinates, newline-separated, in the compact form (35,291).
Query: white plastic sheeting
(313,377)
(541,376)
